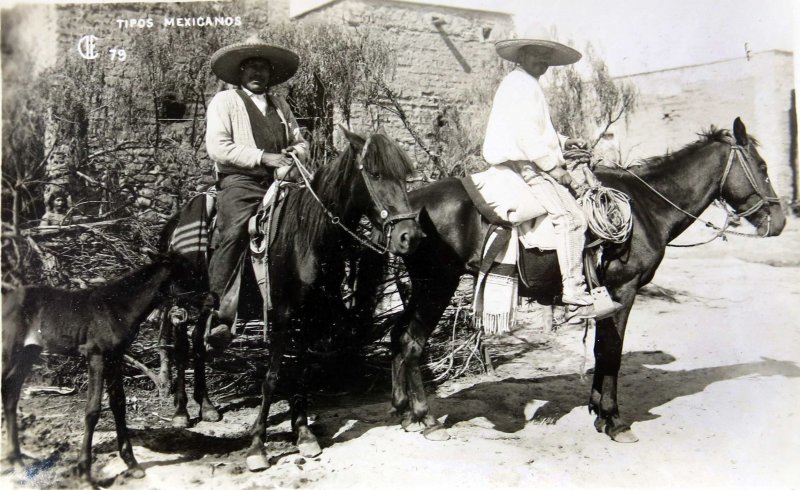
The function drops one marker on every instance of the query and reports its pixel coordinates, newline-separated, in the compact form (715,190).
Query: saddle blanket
(191,234)
(494,304)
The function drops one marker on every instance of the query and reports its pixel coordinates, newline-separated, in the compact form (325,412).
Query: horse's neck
(691,183)
(141,290)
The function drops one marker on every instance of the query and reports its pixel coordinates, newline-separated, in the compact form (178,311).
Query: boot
(218,335)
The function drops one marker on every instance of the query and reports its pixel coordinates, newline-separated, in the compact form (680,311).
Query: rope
(608,213)
(720,231)
(306,175)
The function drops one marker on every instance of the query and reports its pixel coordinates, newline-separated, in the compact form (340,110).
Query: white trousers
(538,194)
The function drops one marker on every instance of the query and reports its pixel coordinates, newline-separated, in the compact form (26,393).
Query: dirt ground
(710,383)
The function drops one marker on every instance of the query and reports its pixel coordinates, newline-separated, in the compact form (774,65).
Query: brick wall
(676,104)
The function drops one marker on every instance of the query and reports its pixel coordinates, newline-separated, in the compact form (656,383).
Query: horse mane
(705,137)
(383,157)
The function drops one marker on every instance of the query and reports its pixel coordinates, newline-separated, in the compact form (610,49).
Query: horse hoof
(135,472)
(257,462)
(410,426)
(309,449)
(180,421)
(210,415)
(625,436)
(437,433)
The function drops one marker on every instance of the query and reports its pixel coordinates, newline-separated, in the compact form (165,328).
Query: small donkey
(99,323)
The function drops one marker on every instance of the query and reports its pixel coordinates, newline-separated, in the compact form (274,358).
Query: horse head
(381,192)
(184,276)
(746,187)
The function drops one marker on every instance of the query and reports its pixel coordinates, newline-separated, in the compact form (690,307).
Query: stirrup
(604,306)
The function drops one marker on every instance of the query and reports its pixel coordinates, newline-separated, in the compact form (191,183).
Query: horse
(99,323)
(306,268)
(667,194)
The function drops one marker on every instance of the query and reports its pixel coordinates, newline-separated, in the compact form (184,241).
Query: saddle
(196,236)
(508,271)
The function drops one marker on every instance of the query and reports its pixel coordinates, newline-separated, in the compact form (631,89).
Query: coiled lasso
(608,213)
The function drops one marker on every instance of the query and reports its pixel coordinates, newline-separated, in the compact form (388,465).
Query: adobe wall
(676,104)
(440,52)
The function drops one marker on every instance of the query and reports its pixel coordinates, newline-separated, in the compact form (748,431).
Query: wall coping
(299,8)
(782,52)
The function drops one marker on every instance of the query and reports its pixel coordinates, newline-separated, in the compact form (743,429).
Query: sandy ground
(710,383)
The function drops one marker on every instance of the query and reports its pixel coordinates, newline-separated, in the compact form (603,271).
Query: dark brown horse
(306,268)
(717,166)
(99,323)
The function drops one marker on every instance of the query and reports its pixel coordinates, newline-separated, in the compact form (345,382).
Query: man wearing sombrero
(249,135)
(520,135)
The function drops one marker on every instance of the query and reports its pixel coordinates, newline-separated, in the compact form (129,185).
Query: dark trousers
(237,200)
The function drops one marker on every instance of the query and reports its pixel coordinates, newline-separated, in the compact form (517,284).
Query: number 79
(118,54)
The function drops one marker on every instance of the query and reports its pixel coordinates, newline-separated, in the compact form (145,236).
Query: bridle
(388,220)
(737,153)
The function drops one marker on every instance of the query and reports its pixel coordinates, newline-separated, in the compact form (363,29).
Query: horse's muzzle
(405,237)
(772,223)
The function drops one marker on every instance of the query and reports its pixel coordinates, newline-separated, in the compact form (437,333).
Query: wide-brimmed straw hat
(225,63)
(551,52)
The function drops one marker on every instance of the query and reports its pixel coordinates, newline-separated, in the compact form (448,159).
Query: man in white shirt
(520,135)
(249,135)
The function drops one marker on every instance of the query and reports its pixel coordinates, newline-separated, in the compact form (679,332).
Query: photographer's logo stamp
(87,47)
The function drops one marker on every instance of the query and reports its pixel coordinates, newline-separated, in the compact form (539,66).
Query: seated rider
(520,135)
(249,135)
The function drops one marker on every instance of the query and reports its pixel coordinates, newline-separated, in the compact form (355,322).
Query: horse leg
(208,412)
(609,336)
(180,419)
(256,457)
(15,369)
(424,318)
(93,395)
(306,440)
(116,400)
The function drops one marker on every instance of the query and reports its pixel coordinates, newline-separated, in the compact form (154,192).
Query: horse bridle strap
(737,152)
(388,221)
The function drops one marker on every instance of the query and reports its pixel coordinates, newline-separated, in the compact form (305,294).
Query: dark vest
(268,131)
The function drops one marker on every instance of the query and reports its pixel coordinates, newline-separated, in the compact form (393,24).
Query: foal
(99,323)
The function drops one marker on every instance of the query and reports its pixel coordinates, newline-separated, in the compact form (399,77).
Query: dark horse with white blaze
(306,265)
(717,166)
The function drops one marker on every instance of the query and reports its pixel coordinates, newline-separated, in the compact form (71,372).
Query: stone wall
(676,104)
(440,52)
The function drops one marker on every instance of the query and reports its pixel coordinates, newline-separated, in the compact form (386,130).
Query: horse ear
(740,132)
(153,255)
(357,141)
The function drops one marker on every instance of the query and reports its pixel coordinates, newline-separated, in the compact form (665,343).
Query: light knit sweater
(229,138)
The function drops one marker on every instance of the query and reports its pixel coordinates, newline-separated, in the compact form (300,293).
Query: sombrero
(226,61)
(551,52)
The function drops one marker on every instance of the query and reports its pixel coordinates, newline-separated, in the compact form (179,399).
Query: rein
(388,220)
(736,153)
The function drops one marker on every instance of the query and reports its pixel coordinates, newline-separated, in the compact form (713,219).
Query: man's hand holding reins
(560,175)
